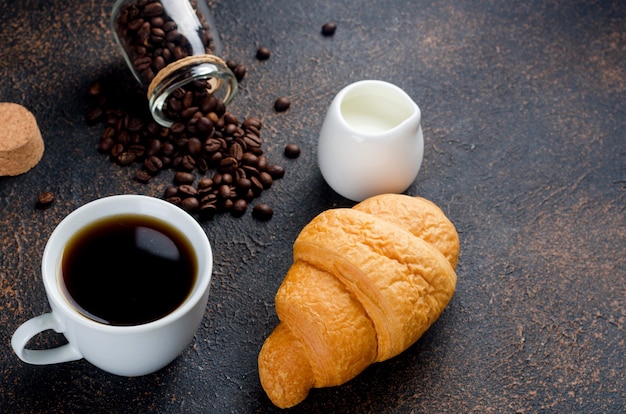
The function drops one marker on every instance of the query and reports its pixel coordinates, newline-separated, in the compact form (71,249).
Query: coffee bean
(257,185)
(265,179)
(183,177)
(135,24)
(282,104)
(243,185)
(226,205)
(143,33)
(174,200)
(250,171)
(205,183)
(239,207)
(230,118)
(106,145)
(194,146)
(228,164)
(249,159)
(204,125)
(142,176)
(170,191)
(126,158)
(188,162)
(188,112)
(187,190)
(45,199)
(328,29)
(154,147)
(117,150)
(212,145)
(236,151)
(94,89)
(262,163)
(207,103)
(292,151)
(208,210)
(217,179)
(252,122)
(123,137)
(224,191)
(153,164)
(263,53)
(262,212)
(240,72)
(227,178)
(153,9)
(252,140)
(109,132)
(276,171)
(190,204)
(94,115)
(137,149)
(157,22)
(210,198)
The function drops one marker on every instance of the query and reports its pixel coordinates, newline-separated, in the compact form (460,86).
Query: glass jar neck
(205,71)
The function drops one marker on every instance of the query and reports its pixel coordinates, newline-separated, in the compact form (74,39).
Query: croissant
(365,284)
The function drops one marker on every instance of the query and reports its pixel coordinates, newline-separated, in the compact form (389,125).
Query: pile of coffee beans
(219,161)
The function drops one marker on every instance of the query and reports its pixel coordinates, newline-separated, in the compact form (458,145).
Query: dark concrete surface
(524,117)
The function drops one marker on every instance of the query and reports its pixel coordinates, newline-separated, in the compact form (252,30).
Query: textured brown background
(524,117)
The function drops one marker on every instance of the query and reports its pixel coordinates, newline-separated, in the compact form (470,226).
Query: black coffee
(128,270)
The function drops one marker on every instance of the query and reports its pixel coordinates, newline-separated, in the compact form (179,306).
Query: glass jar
(172,47)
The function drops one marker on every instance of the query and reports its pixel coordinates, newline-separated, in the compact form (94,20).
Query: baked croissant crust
(365,284)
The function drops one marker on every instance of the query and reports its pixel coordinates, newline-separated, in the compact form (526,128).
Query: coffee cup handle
(35,326)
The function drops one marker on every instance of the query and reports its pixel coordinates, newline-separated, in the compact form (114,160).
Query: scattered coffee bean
(45,199)
(262,212)
(263,53)
(238,69)
(282,104)
(328,29)
(292,151)
(240,72)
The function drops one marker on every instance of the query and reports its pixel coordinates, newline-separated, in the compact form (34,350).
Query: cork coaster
(21,144)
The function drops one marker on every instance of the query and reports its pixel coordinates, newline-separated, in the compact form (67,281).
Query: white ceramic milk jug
(371,141)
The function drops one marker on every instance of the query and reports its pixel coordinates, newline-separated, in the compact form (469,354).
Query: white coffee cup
(371,141)
(122,350)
